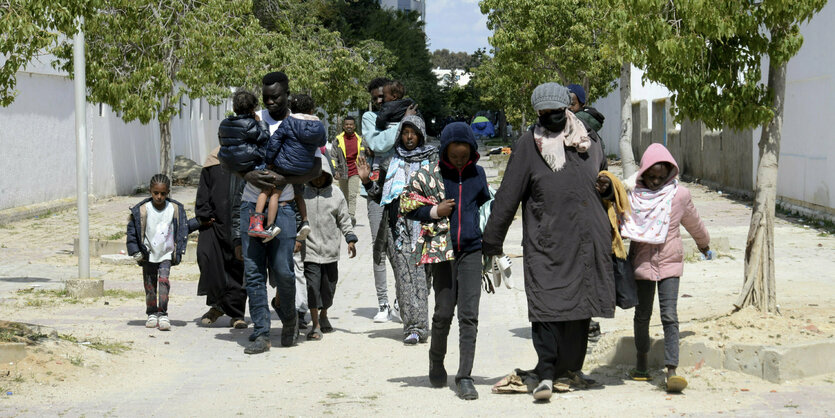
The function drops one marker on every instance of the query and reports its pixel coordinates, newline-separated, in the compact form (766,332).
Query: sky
(456,25)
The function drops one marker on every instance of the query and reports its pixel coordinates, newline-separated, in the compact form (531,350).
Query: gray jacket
(327,212)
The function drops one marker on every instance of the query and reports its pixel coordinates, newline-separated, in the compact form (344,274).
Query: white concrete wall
(37,139)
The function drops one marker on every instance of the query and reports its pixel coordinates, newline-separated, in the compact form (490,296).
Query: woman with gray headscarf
(567,239)
(398,235)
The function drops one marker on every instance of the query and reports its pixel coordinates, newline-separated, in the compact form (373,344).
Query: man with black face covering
(567,242)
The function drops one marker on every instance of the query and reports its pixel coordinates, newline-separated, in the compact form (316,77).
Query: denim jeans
(667,301)
(277,255)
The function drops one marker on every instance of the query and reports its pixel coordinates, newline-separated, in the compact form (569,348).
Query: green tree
(443,58)
(29,28)
(401,33)
(710,54)
(321,63)
(535,42)
(162,51)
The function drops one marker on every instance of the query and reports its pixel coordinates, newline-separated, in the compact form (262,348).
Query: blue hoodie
(467,186)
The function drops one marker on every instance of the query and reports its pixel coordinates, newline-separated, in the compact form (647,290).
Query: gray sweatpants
(667,301)
(375,215)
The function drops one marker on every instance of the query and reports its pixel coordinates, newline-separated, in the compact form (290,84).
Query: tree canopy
(443,58)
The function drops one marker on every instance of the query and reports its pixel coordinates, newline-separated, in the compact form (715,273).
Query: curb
(100,247)
(771,363)
(10,215)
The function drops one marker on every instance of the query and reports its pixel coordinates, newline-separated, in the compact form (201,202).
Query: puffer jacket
(183,226)
(468,186)
(327,212)
(241,142)
(660,261)
(292,146)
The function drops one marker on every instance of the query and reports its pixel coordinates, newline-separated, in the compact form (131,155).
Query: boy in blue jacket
(456,271)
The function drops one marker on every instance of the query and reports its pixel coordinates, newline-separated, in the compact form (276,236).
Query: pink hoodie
(660,261)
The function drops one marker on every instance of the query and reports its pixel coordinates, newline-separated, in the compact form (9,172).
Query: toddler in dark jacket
(243,136)
(290,152)
(394,105)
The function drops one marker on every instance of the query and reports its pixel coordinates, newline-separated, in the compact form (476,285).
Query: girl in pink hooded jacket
(659,206)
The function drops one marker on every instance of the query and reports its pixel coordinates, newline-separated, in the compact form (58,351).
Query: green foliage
(316,59)
(399,32)
(536,42)
(29,27)
(443,58)
(709,53)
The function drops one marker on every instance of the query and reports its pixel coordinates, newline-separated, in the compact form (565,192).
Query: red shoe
(256,226)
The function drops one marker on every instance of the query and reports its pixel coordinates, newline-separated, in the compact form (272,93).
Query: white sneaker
(272,232)
(394,313)
(304,231)
(151,322)
(383,315)
(164,323)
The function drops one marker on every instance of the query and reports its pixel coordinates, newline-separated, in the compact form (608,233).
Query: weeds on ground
(825,226)
(116,236)
(39,298)
(15,332)
(76,360)
(110,347)
(124,294)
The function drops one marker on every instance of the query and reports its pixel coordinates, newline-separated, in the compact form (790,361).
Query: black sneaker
(290,332)
(466,390)
(260,345)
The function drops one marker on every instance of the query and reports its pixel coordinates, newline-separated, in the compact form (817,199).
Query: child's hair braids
(160,179)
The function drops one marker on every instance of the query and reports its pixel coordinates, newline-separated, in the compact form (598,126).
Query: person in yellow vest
(346,147)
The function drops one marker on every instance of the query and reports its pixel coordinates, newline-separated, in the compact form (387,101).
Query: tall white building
(406,5)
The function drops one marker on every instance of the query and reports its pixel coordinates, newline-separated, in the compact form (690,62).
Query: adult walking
(219,244)
(276,254)
(567,244)
(347,147)
(378,146)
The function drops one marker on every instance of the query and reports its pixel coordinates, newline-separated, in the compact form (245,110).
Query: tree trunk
(165,166)
(165,149)
(627,158)
(759,288)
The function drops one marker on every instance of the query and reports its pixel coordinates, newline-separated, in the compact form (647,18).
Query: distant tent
(482,127)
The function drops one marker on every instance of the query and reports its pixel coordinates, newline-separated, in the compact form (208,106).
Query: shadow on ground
(521,332)
(365,312)
(391,333)
(141,323)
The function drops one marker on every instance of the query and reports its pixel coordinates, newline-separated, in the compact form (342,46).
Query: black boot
(437,374)
(466,390)
(437,352)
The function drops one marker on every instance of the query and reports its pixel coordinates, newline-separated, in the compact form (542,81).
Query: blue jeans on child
(277,255)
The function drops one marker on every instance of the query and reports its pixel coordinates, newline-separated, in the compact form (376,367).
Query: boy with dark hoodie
(448,196)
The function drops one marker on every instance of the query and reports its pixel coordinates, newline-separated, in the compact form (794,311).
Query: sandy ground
(363,368)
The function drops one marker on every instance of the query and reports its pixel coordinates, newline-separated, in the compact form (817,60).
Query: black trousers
(321,284)
(456,282)
(560,346)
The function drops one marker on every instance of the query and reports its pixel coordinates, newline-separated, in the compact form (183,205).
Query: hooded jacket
(468,186)
(135,240)
(241,142)
(660,261)
(592,118)
(327,212)
(292,146)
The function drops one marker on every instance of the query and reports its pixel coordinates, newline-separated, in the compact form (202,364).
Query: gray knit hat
(550,96)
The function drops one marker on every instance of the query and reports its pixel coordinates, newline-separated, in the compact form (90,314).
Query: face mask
(554,121)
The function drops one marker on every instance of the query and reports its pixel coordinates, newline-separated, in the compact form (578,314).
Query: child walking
(157,234)
(446,198)
(330,221)
(292,153)
(659,206)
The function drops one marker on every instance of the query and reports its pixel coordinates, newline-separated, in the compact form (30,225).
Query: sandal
(325,325)
(640,375)
(315,335)
(676,384)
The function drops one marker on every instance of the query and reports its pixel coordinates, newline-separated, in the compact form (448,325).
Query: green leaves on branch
(535,41)
(709,53)
(29,27)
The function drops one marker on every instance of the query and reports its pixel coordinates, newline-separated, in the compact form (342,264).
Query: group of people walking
(268,192)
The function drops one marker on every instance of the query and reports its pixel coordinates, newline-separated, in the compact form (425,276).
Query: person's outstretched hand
(239,254)
(352,250)
(363,169)
(261,179)
(297,247)
(603,184)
